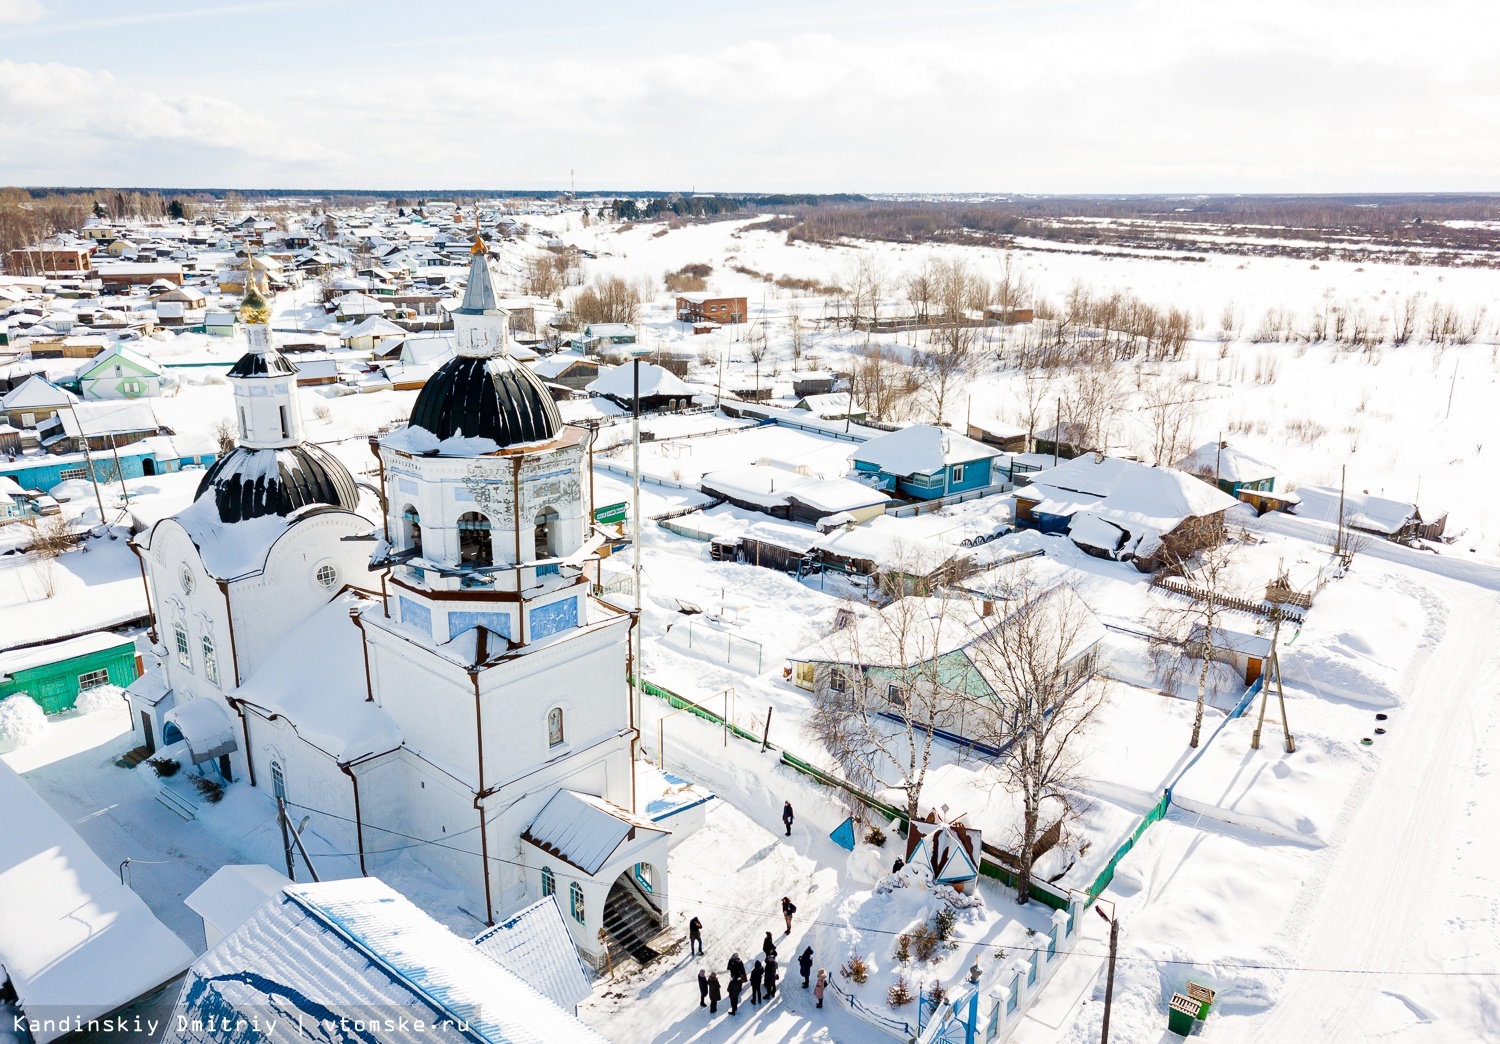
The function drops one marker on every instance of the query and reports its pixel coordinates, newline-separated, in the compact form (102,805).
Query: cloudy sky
(1052,96)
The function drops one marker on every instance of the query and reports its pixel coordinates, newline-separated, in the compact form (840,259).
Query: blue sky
(1010,96)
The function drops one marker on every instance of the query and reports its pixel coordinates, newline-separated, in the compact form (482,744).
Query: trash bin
(1182,1012)
(1203,995)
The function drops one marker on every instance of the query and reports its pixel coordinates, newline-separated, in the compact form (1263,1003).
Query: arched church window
(555,727)
(184,651)
(278,781)
(286,424)
(410,516)
(549,881)
(575,901)
(210,660)
(474,546)
(543,534)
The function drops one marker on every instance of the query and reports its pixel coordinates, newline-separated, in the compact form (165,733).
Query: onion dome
(249,483)
(253,309)
(488,398)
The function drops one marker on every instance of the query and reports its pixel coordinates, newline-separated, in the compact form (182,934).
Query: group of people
(761,977)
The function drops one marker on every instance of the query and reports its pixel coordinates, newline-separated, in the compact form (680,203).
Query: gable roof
(233,893)
(619,383)
(1227,462)
(921,450)
(585,830)
(355,947)
(535,944)
(36,392)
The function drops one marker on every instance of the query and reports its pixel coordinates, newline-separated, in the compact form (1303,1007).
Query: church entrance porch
(631,917)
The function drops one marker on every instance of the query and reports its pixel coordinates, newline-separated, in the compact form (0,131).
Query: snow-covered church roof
(586,831)
(536,945)
(357,949)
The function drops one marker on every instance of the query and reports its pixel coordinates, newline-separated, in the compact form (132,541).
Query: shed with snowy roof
(534,943)
(660,388)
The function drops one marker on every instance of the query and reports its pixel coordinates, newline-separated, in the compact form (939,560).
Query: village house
(700,306)
(568,369)
(55,673)
(1125,510)
(794,494)
(659,388)
(50,261)
(34,401)
(122,275)
(924,462)
(119,372)
(103,425)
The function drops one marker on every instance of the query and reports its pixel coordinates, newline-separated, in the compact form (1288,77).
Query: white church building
(418,656)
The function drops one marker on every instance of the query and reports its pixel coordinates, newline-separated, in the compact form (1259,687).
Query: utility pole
(286,841)
(635,549)
(1057,434)
(1339,547)
(88,462)
(1109,982)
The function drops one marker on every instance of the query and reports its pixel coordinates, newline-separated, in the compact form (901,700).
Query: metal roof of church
(489,398)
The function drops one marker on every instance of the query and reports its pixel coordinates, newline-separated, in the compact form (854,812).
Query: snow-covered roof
(317,682)
(555,365)
(921,450)
(830,405)
(55,652)
(36,392)
(375,326)
(619,382)
(129,355)
(105,418)
(769,486)
(1141,499)
(585,830)
(353,948)
(231,896)
(535,944)
(1226,462)
(205,725)
(75,942)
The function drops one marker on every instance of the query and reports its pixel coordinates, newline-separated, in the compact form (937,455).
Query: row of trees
(1352,326)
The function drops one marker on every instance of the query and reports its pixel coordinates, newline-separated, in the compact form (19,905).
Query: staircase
(630,924)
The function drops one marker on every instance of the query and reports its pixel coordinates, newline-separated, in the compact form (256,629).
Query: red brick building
(704,307)
(43,261)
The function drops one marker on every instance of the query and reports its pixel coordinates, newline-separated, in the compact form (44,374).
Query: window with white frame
(575,901)
(210,660)
(838,681)
(555,727)
(93,679)
(549,881)
(958,473)
(896,694)
(327,575)
(184,651)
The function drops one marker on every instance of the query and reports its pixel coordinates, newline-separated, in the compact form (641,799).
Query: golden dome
(253,309)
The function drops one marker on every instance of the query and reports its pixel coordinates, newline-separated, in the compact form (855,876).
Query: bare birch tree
(1171,407)
(1040,663)
(886,683)
(1190,626)
(953,345)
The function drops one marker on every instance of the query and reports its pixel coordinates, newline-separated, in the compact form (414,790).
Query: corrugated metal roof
(536,946)
(358,950)
(585,830)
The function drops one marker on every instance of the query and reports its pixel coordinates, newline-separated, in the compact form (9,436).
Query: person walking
(695,937)
(768,946)
(897,865)
(735,985)
(713,993)
(770,977)
(787,909)
(757,973)
(702,988)
(736,967)
(786,817)
(821,986)
(804,965)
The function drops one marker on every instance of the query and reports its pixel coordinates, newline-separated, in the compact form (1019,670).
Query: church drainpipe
(515,468)
(234,661)
(150,612)
(364,645)
(385,508)
(359,822)
(484,834)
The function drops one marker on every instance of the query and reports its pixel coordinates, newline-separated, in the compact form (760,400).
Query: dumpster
(1203,995)
(1182,1012)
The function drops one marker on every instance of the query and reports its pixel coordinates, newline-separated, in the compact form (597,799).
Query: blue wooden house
(924,462)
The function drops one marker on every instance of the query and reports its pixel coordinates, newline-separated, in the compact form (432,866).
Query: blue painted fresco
(549,619)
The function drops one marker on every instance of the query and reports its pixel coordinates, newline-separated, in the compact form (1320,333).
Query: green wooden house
(55,673)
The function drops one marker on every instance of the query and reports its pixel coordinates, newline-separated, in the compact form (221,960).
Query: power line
(871,930)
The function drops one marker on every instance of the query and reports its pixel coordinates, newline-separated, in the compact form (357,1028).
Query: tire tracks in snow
(1400,832)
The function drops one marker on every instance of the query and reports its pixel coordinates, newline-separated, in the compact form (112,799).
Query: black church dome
(490,398)
(248,483)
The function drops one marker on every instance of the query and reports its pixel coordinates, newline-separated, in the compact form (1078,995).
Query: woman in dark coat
(713,993)
(804,965)
(770,977)
(756,974)
(768,946)
(735,985)
(736,967)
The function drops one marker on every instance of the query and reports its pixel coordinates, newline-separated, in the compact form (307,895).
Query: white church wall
(287,591)
(430,699)
(312,780)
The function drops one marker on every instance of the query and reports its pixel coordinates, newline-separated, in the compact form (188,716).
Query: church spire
(479,322)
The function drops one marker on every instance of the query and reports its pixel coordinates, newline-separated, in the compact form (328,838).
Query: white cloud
(1158,95)
(19,12)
